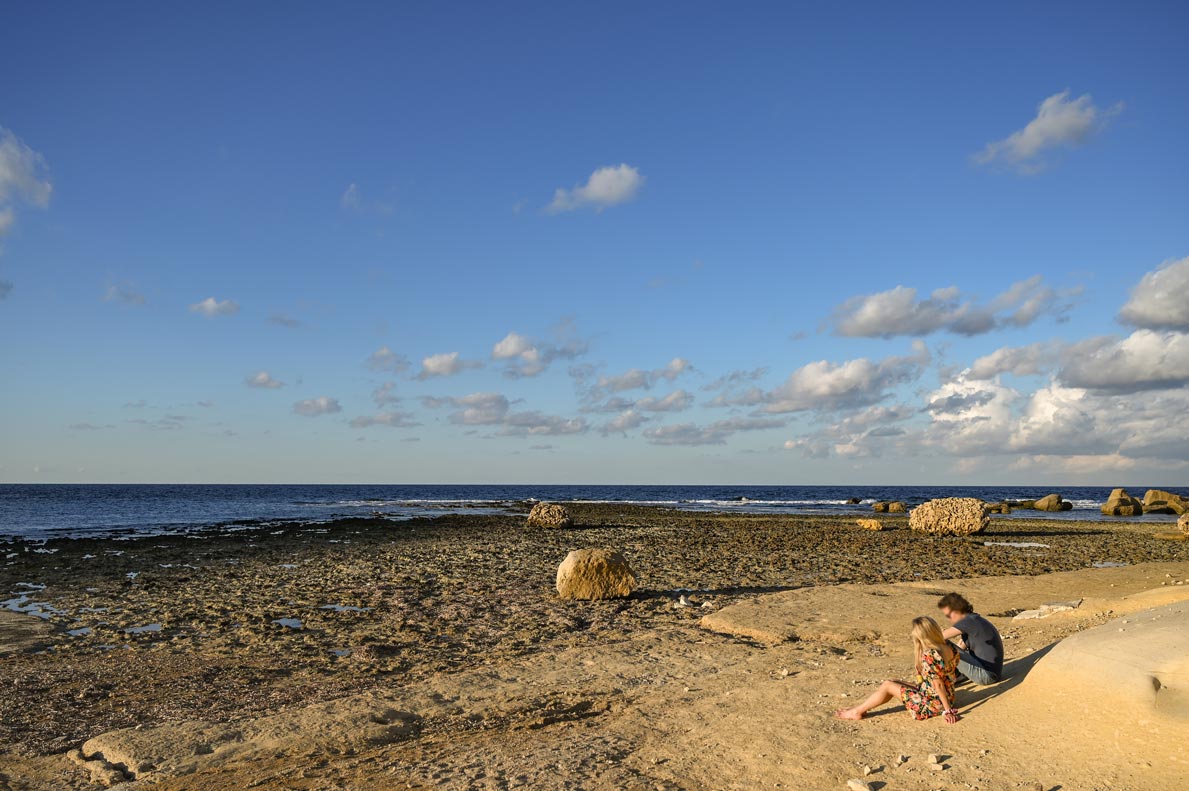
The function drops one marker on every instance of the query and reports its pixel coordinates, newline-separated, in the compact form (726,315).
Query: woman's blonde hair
(926,634)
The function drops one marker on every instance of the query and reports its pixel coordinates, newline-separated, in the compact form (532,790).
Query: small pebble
(901,760)
(934,758)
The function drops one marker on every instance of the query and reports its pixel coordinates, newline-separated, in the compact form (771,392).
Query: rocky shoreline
(232,624)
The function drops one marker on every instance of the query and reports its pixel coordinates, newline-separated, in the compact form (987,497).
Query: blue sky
(687,243)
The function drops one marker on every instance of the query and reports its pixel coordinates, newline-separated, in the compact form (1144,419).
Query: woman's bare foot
(848,714)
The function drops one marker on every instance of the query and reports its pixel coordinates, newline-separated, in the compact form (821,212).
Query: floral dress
(924,701)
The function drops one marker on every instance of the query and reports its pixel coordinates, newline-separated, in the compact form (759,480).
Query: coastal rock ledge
(549,515)
(591,574)
(950,516)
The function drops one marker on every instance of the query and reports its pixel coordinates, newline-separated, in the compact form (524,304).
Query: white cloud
(527,358)
(393,419)
(476,409)
(384,359)
(1059,122)
(607,186)
(1144,360)
(447,364)
(351,199)
(638,378)
(385,394)
(900,312)
(124,293)
(313,407)
(623,422)
(824,385)
(263,380)
(1027,360)
(868,433)
(211,307)
(676,401)
(537,424)
(714,434)
(282,320)
(1160,301)
(23,178)
(736,378)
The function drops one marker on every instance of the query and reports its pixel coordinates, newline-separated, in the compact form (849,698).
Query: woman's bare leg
(888,690)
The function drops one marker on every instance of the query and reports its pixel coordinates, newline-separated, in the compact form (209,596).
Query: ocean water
(41,511)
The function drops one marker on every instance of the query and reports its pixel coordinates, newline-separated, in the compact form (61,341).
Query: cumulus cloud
(263,381)
(868,433)
(494,409)
(1160,301)
(526,357)
(899,311)
(1027,360)
(607,186)
(1144,360)
(23,179)
(824,385)
(676,401)
(313,407)
(385,394)
(211,307)
(715,433)
(1060,122)
(624,422)
(125,293)
(735,378)
(638,378)
(384,359)
(392,419)
(447,364)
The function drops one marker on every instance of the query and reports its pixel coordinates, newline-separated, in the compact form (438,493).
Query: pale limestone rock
(549,515)
(869,524)
(595,574)
(1120,503)
(950,516)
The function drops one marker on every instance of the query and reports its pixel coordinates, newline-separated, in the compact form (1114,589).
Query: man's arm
(951,633)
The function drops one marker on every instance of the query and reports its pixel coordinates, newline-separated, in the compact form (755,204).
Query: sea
(43,511)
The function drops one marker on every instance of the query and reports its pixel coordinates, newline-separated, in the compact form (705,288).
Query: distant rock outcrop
(1120,503)
(950,516)
(888,507)
(1052,502)
(549,515)
(595,574)
(999,508)
(1158,501)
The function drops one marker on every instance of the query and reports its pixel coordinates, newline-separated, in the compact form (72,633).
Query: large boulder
(888,507)
(1052,502)
(1158,501)
(549,515)
(1120,503)
(1183,523)
(950,516)
(595,574)
(869,524)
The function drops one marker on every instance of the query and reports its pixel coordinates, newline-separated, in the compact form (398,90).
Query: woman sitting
(936,667)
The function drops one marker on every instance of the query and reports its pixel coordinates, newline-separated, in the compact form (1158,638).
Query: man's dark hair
(955,602)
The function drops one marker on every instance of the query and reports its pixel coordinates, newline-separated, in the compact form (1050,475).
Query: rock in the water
(880,508)
(999,508)
(1120,503)
(950,516)
(595,574)
(869,524)
(896,507)
(1052,502)
(1157,501)
(853,501)
(888,507)
(549,515)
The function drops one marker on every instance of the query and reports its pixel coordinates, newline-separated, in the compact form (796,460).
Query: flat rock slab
(850,613)
(19,632)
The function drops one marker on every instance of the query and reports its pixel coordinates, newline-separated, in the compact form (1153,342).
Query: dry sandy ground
(688,707)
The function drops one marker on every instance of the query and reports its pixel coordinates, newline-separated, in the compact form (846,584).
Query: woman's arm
(947,706)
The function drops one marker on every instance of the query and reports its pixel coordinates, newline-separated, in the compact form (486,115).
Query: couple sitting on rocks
(978,657)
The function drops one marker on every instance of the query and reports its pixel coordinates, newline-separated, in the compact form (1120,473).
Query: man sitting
(980,649)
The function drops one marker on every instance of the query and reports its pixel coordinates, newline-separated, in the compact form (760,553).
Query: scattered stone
(999,508)
(934,758)
(901,760)
(950,516)
(855,784)
(589,574)
(1120,503)
(937,767)
(869,524)
(549,515)
(1045,610)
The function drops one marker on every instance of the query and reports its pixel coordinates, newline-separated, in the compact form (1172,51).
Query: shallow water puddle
(82,631)
(289,623)
(344,608)
(1108,564)
(151,627)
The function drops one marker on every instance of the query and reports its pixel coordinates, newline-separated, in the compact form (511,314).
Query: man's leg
(970,667)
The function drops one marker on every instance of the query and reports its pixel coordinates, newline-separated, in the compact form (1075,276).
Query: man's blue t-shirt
(983,641)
